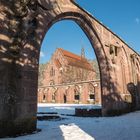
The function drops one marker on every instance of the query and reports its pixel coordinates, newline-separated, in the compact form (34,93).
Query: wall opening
(68,59)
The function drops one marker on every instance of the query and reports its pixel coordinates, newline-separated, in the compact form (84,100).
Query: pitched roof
(76,60)
(57,62)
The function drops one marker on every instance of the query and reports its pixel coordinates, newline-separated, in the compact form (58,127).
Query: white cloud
(42,54)
(137,20)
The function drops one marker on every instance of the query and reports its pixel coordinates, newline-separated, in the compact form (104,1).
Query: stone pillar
(19,103)
(18,69)
(80,94)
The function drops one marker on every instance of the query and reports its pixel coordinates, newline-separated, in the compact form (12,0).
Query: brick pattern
(23,26)
(66,67)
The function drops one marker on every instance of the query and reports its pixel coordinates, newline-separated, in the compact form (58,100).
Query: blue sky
(121,16)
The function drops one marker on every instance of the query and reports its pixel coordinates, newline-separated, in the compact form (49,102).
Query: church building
(69,78)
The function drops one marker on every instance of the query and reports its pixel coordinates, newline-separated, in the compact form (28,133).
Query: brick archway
(23,29)
(86,25)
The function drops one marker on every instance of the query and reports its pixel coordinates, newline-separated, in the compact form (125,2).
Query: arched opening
(21,37)
(67,58)
(65,98)
(44,98)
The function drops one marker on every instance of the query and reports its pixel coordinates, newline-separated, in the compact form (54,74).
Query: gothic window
(44,98)
(52,72)
(116,50)
(52,82)
(113,50)
(76,95)
(92,91)
(65,99)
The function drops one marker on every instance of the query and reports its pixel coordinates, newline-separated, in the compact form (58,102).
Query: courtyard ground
(126,127)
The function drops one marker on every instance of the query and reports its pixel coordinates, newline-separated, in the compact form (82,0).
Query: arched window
(92,91)
(44,98)
(52,82)
(52,72)
(76,94)
(65,98)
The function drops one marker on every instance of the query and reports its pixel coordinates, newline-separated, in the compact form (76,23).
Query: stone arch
(65,98)
(23,30)
(91,92)
(95,87)
(90,31)
(77,94)
(66,94)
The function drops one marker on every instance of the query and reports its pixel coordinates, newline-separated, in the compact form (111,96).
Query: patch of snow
(73,132)
(68,109)
(126,127)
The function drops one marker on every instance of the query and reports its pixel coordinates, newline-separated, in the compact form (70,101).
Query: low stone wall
(88,112)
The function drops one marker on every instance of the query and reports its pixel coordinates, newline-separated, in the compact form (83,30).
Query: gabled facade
(62,79)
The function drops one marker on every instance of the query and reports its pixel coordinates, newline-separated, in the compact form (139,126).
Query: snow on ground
(126,127)
(64,108)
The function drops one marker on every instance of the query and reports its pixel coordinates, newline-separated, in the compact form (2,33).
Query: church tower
(82,52)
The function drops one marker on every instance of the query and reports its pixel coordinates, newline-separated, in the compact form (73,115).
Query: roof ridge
(75,60)
(68,52)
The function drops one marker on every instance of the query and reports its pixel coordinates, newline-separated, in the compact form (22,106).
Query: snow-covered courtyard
(126,127)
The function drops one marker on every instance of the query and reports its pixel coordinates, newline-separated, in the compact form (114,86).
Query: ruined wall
(23,26)
(123,65)
(18,68)
(65,93)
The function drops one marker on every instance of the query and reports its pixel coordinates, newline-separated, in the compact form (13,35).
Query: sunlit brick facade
(68,78)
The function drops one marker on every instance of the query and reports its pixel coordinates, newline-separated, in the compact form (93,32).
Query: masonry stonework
(69,78)
(23,26)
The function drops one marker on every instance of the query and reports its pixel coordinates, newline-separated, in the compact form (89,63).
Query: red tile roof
(76,60)
(57,62)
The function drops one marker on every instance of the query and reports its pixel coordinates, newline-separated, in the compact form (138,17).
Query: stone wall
(23,26)
(66,92)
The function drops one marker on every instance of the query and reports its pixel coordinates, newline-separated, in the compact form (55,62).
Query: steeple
(82,52)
